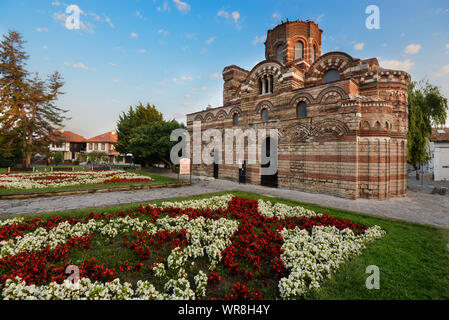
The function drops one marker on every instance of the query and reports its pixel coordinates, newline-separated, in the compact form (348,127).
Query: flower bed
(41,180)
(218,248)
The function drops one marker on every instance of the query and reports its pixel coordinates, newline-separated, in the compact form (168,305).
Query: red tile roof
(440,135)
(110,137)
(66,136)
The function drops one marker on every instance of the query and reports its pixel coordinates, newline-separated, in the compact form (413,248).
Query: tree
(134,118)
(427,108)
(150,143)
(58,158)
(28,113)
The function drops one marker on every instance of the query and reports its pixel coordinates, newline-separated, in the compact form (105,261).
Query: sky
(171,53)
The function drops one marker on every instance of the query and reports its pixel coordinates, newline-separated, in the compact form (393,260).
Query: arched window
(265,78)
(235,120)
(271,83)
(314,53)
(280,53)
(299,50)
(301,110)
(331,76)
(260,86)
(264,115)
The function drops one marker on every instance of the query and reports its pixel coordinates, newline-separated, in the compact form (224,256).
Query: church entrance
(268,180)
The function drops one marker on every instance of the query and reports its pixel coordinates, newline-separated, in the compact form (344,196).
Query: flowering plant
(180,249)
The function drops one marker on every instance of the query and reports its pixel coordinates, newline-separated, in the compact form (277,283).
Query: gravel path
(420,206)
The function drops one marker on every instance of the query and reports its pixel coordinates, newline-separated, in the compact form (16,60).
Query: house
(105,143)
(341,121)
(72,145)
(439,148)
(69,143)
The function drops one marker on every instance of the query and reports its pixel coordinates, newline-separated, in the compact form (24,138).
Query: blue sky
(171,52)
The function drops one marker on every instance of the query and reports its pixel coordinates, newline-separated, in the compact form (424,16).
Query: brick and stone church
(342,120)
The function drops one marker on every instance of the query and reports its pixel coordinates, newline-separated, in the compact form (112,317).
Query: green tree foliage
(58,158)
(150,143)
(28,113)
(134,118)
(427,108)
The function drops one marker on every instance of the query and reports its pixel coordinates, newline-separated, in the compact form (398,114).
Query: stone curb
(56,193)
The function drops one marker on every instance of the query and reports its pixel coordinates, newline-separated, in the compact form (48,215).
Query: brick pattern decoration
(353,141)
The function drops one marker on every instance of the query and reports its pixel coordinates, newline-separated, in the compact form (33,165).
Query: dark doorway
(216,161)
(242,173)
(268,180)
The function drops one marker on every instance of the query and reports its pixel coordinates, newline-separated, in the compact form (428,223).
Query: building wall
(441,161)
(353,141)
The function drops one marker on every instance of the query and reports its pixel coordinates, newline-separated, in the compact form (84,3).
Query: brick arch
(198,118)
(276,44)
(221,112)
(235,110)
(330,128)
(295,133)
(304,41)
(331,91)
(209,117)
(306,97)
(267,67)
(333,60)
(262,105)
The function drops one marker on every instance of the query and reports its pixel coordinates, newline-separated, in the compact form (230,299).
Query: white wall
(441,161)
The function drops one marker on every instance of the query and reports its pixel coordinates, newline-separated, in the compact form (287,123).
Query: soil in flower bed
(248,265)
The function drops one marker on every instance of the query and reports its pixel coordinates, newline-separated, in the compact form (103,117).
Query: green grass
(413,259)
(156,178)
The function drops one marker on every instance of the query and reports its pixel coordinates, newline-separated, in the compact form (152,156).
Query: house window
(314,53)
(265,79)
(301,110)
(260,86)
(102,146)
(264,115)
(331,76)
(235,120)
(96,146)
(299,50)
(280,53)
(271,83)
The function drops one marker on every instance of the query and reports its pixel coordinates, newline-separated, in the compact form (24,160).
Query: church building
(342,121)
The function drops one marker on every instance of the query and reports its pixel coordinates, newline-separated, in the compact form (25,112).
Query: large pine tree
(28,111)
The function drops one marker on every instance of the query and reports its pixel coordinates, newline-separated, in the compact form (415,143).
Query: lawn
(413,259)
(59,185)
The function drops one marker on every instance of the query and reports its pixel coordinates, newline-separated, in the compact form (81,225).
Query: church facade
(342,121)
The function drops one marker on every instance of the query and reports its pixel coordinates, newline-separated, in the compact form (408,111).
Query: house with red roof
(72,145)
(69,143)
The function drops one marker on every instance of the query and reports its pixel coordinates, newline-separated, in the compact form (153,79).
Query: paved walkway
(420,206)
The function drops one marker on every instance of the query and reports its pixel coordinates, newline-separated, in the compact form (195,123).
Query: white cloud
(412,48)
(164,7)
(182,79)
(41,29)
(259,39)
(44,47)
(359,46)
(447,48)
(203,88)
(108,21)
(142,50)
(235,15)
(192,36)
(443,71)
(56,3)
(134,35)
(163,32)
(397,64)
(319,18)
(115,101)
(80,65)
(215,75)
(210,40)
(139,14)
(276,16)
(182,6)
